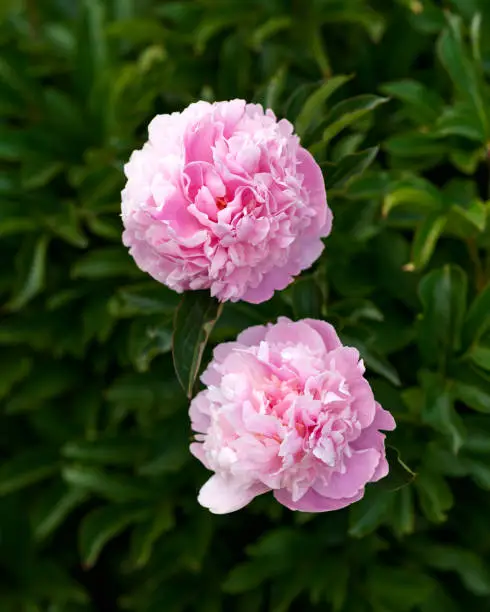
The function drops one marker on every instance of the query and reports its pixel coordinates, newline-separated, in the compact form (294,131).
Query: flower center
(221,203)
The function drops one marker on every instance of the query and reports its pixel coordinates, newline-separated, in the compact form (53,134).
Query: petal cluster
(223,197)
(287,408)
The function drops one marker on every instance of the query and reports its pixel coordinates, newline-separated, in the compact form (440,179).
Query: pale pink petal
(222,497)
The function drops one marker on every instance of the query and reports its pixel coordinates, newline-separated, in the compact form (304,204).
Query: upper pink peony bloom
(287,409)
(223,197)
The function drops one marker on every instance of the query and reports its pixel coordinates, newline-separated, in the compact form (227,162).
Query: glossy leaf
(349,168)
(348,111)
(443,296)
(102,525)
(194,320)
(312,108)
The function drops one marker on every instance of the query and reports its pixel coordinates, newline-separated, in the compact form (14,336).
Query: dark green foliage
(98,507)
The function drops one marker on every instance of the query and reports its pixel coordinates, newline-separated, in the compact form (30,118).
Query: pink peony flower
(223,197)
(287,409)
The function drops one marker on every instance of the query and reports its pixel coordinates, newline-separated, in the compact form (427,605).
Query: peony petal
(221,496)
(314,502)
(359,470)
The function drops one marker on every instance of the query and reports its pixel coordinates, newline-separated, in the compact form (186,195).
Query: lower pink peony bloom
(223,197)
(287,409)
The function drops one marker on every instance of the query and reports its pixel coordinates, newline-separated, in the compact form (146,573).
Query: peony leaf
(312,108)
(425,240)
(478,317)
(194,320)
(443,296)
(348,111)
(27,468)
(103,524)
(399,475)
(350,167)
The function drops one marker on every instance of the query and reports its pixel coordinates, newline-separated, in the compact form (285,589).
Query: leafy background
(98,508)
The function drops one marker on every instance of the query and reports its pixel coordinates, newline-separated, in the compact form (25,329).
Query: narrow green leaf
(471,389)
(478,318)
(416,193)
(307,298)
(102,525)
(145,534)
(413,145)
(105,263)
(109,485)
(369,513)
(312,109)
(14,368)
(106,451)
(33,271)
(474,574)
(399,475)
(270,28)
(443,296)
(348,111)
(453,55)
(425,240)
(56,503)
(27,468)
(475,214)
(435,495)
(480,355)
(194,320)
(438,409)
(349,168)
(148,338)
(427,103)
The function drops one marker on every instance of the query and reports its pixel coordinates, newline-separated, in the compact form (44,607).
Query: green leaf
(102,525)
(48,379)
(269,29)
(26,468)
(106,451)
(426,103)
(438,409)
(459,120)
(475,214)
(368,514)
(56,503)
(143,299)
(480,355)
(435,495)
(92,52)
(346,112)
(312,110)
(32,271)
(145,534)
(471,389)
(306,298)
(14,368)
(194,320)
(400,589)
(470,567)
(425,240)
(399,475)
(478,318)
(108,485)
(416,193)
(453,55)
(105,263)
(373,360)
(415,145)
(148,338)
(349,168)
(443,296)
